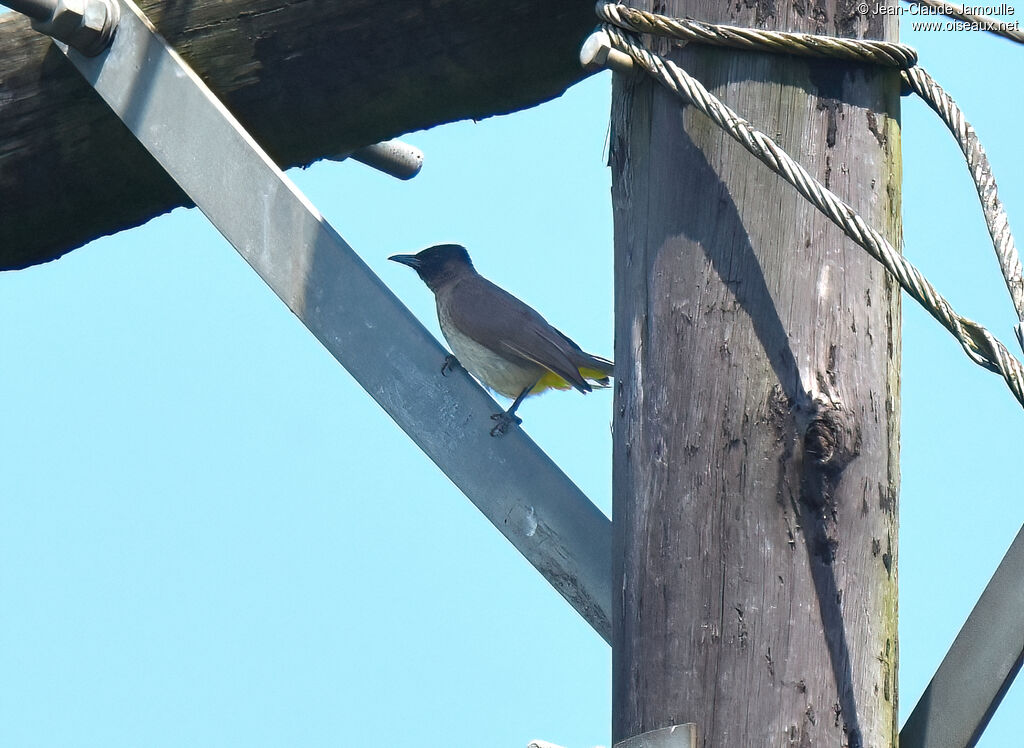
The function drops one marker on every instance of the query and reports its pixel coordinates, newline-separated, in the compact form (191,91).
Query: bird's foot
(504,419)
(450,362)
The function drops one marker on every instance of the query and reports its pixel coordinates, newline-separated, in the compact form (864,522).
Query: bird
(500,340)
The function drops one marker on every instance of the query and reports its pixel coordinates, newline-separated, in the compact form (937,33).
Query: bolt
(86,25)
(597,52)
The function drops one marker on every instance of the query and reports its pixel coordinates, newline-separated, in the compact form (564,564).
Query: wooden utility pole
(756,451)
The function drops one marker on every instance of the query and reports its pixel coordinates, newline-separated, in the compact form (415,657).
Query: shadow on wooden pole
(756,431)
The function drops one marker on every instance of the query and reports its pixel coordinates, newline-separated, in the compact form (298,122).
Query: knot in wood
(831,439)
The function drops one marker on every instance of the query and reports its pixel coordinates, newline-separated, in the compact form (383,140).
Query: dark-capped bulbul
(500,340)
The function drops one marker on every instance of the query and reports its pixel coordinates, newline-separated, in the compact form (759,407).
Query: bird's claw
(450,362)
(504,421)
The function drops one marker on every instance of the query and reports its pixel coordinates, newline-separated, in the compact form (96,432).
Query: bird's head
(439,264)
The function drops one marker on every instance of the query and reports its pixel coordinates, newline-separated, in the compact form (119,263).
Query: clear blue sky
(211,536)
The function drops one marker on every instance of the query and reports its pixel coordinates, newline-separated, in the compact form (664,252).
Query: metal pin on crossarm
(394,157)
(597,52)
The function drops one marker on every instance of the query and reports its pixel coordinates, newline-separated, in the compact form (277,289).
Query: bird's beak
(411,260)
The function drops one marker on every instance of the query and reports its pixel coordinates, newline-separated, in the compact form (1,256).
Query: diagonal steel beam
(304,260)
(979,667)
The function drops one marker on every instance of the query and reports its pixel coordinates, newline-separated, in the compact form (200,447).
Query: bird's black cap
(438,264)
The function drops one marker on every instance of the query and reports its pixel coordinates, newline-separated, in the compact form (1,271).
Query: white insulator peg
(597,52)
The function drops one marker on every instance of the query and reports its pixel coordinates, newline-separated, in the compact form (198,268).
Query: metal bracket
(676,736)
(979,667)
(351,312)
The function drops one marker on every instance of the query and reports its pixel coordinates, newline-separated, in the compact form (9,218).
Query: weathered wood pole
(756,449)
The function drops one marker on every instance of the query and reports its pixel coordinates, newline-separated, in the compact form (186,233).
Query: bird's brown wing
(499,321)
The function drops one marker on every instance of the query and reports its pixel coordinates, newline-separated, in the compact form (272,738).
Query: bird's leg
(508,417)
(449,364)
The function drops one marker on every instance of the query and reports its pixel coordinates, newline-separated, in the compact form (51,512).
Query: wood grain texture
(308,79)
(756,449)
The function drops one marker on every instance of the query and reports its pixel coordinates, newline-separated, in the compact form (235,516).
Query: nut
(66,19)
(86,25)
(94,21)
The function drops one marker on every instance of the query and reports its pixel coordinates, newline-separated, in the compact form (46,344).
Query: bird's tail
(595,369)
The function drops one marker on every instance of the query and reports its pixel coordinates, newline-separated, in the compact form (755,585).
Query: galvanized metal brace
(353,314)
(981,664)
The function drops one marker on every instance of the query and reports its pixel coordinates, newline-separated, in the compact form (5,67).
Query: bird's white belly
(492,370)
